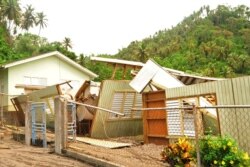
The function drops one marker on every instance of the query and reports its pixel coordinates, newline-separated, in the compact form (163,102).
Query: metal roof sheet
(55,53)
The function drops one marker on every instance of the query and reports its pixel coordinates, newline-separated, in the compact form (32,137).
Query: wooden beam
(190,81)
(114,71)
(124,71)
(31,87)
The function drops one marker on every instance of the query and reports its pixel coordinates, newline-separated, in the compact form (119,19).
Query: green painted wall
(105,128)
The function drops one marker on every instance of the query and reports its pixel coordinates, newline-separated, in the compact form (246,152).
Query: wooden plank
(27,123)
(19,111)
(102,143)
(154,121)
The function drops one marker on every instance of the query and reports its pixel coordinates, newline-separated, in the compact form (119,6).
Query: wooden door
(154,121)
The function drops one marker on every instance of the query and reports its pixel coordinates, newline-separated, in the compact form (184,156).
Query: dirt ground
(136,155)
(16,154)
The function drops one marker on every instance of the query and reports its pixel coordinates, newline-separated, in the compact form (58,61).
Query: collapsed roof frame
(185,78)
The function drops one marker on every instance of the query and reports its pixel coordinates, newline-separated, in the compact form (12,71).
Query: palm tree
(28,18)
(67,43)
(41,20)
(11,10)
(81,60)
(142,52)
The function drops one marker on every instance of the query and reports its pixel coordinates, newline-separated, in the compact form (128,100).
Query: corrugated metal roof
(185,78)
(117,61)
(151,71)
(55,53)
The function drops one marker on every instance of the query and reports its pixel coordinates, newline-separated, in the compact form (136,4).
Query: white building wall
(52,68)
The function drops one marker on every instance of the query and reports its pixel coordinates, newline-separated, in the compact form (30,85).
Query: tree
(6,52)
(28,18)
(67,43)
(41,21)
(141,52)
(11,10)
(81,60)
(28,44)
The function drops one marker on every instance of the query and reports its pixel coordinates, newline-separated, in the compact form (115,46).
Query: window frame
(132,114)
(42,81)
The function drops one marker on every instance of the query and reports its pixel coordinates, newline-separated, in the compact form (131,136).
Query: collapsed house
(157,126)
(38,72)
(146,90)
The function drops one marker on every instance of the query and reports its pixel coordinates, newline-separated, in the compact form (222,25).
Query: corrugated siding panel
(128,104)
(138,104)
(116,104)
(241,88)
(191,90)
(227,117)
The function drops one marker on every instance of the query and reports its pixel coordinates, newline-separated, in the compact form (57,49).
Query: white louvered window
(180,121)
(123,102)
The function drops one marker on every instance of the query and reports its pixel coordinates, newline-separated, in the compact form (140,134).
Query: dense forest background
(212,43)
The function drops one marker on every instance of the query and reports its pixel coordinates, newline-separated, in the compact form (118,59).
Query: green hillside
(208,42)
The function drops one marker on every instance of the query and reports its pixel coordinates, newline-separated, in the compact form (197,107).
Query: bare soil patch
(137,155)
(17,154)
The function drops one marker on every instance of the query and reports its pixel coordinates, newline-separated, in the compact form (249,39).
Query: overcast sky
(104,26)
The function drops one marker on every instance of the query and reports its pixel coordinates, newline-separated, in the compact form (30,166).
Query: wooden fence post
(64,124)
(197,133)
(27,123)
(60,125)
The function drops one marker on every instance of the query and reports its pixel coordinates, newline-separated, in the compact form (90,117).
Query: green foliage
(28,44)
(179,153)
(222,151)
(6,53)
(209,42)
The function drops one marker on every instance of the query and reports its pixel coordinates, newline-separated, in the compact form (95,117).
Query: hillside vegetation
(208,42)
(212,43)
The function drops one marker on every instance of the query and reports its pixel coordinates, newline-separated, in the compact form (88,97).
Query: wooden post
(64,124)
(2,101)
(124,72)
(27,122)
(196,126)
(60,125)
(113,74)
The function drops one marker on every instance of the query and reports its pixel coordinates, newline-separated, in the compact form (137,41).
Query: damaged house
(147,90)
(38,72)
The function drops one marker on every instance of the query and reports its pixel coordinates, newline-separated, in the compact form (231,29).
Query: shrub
(179,153)
(222,151)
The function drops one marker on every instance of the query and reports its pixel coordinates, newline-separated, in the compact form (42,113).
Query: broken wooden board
(102,143)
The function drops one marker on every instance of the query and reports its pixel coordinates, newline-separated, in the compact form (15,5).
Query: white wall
(52,68)
(4,85)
